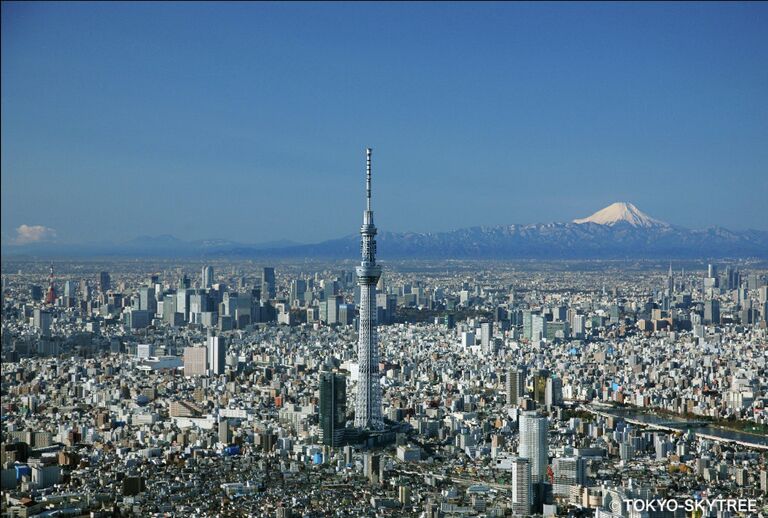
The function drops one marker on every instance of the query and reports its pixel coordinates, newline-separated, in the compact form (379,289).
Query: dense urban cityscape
(218,301)
(419,389)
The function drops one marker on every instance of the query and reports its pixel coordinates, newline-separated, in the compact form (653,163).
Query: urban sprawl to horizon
(384,259)
(424,388)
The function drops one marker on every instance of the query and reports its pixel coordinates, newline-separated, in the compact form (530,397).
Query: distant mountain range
(620,230)
(143,246)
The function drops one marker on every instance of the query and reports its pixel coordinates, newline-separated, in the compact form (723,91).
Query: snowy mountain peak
(622,211)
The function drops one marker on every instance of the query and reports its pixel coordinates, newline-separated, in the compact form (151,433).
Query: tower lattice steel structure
(368,402)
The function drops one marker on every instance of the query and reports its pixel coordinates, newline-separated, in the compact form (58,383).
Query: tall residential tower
(368,401)
(533,444)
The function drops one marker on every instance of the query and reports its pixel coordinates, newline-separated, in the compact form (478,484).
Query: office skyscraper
(42,320)
(207,277)
(533,444)
(104,282)
(553,395)
(333,408)
(515,385)
(147,300)
(712,311)
(368,402)
(217,352)
(268,290)
(540,386)
(538,327)
(298,290)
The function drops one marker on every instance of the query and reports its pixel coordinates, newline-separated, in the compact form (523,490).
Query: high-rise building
(184,282)
(217,353)
(195,361)
(346,314)
(515,385)
(333,408)
(182,302)
(147,300)
(569,472)
(85,292)
(386,305)
(712,311)
(540,386)
(105,283)
(199,303)
(579,326)
(527,324)
(332,305)
(169,307)
(207,277)
(538,327)
(522,493)
(42,319)
(224,432)
(298,291)
(50,295)
(145,351)
(486,336)
(553,395)
(268,288)
(670,281)
(372,466)
(330,288)
(368,401)
(534,445)
(734,279)
(136,318)
(36,292)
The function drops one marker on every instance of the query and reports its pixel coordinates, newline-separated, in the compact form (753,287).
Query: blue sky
(249,121)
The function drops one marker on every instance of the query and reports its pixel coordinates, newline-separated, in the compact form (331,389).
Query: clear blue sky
(249,121)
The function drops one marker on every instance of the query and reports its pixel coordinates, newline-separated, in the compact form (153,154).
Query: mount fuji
(622,212)
(619,231)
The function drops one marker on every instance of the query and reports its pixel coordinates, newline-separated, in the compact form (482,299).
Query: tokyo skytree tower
(368,402)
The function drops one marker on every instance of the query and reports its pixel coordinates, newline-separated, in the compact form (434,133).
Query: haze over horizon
(249,122)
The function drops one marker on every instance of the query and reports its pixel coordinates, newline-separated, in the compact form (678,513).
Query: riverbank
(672,423)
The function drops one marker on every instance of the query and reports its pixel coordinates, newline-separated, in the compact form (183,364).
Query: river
(681,424)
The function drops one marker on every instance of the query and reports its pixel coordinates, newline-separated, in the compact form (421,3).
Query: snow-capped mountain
(620,230)
(619,212)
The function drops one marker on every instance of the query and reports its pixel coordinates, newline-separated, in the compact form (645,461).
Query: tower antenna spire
(368,152)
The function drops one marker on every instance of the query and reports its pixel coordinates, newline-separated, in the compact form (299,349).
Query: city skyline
(502,113)
(563,312)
